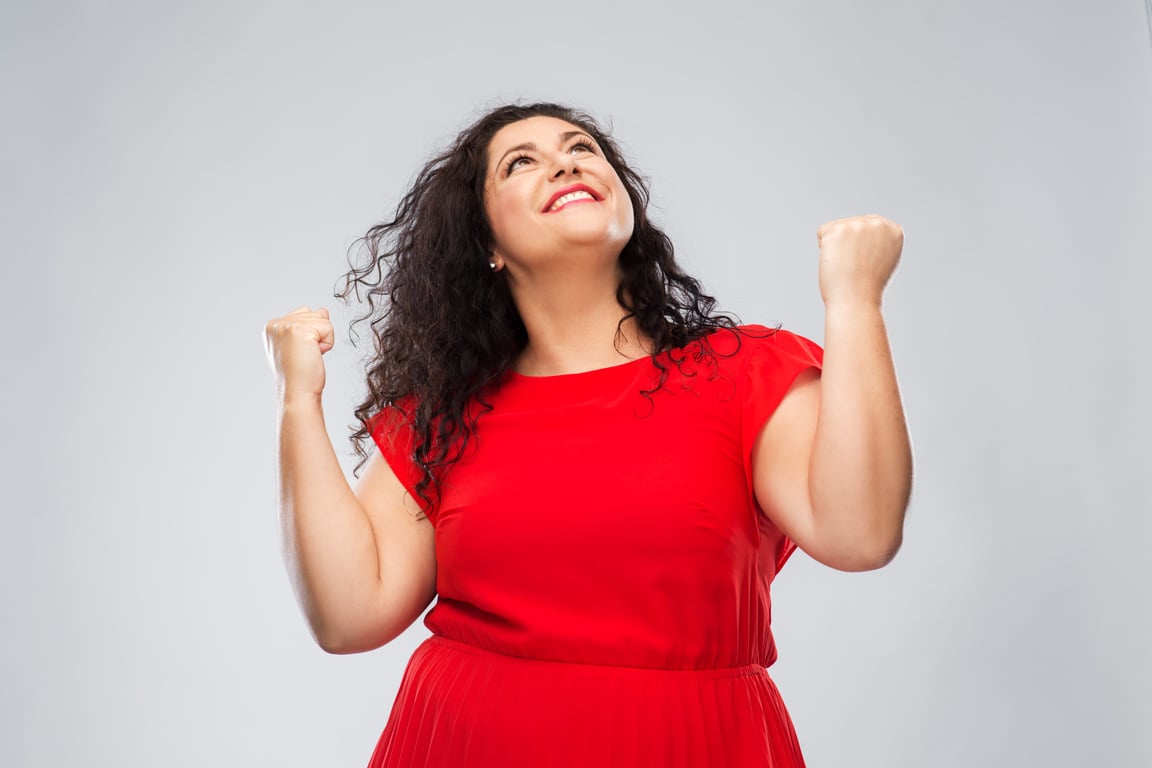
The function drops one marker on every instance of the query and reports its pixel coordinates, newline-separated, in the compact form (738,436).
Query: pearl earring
(492,265)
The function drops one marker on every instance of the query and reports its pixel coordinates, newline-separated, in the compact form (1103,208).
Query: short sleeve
(774,361)
(392,433)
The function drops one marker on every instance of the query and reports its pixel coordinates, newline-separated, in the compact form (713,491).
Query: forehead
(539,130)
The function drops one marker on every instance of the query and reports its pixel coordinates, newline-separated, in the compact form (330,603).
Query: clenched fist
(294,344)
(857,256)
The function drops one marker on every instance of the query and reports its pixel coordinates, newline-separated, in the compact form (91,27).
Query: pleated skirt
(459,705)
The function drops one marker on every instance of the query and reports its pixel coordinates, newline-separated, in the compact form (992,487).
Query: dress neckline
(593,373)
(576,388)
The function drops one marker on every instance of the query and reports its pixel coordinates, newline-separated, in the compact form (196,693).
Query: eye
(583,145)
(515,162)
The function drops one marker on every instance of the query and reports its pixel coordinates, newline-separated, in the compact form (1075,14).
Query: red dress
(603,573)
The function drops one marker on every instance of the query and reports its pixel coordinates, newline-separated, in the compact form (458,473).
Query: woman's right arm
(362,566)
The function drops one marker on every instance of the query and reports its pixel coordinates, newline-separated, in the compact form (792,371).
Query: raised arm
(833,466)
(362,566)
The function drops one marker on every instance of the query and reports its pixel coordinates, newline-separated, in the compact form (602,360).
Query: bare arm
(362,566)
(833,466)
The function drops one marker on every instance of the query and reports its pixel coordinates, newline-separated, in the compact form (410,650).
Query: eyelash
(580,142)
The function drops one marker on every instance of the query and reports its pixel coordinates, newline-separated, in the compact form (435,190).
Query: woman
(595,475)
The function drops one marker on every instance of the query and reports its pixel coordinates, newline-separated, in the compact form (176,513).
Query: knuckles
(856,226)
(282,327)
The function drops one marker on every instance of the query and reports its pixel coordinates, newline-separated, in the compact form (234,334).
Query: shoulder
(746,342)
(393,421)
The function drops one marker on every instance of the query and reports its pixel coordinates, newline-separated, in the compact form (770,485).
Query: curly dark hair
(445,327)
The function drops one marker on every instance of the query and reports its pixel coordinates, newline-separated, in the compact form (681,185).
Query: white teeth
(577,195)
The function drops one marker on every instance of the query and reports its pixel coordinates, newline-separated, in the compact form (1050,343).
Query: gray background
(174,174)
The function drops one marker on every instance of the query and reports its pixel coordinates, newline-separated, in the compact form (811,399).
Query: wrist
(297,399)
(853,305)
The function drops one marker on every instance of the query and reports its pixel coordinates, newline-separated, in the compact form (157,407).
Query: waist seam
(586,668)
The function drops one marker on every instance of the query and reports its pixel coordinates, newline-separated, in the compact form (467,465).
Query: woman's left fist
(857,256)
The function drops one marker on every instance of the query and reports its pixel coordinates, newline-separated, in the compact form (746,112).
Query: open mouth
(573,194)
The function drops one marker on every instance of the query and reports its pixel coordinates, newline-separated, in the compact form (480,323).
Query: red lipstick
(569,190)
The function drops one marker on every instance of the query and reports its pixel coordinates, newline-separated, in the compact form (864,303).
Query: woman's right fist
(294,344)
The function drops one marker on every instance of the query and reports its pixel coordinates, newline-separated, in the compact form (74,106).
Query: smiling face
(549,192)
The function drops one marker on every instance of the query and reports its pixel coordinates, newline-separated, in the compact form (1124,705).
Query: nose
(565,162)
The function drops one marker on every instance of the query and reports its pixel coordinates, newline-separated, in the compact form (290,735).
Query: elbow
(359,628)
(859,537)
(872,555)
(868,557)
(336,639)
(856,551)
(344,645)
(342,642)
(330,640)
(338,646)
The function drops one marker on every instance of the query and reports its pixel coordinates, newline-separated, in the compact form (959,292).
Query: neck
(572,326)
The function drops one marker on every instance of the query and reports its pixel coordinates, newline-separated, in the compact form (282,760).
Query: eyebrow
(531,147)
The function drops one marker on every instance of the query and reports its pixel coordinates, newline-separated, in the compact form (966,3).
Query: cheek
(503,213)
(627,215)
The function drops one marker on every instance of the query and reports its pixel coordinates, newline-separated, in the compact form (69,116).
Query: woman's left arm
(833,466)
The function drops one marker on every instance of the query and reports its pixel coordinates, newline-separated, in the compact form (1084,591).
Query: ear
(496,261)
